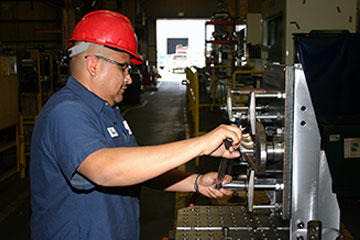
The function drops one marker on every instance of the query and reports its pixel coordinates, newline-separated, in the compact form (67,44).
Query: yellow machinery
(193,101)
(37,71)
(10,138)
(32,86)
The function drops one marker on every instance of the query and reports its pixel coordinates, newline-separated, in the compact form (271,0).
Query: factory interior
(286,72)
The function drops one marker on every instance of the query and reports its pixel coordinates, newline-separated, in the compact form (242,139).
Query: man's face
(115,76)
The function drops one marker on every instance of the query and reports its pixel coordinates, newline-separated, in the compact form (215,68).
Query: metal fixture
(282,154)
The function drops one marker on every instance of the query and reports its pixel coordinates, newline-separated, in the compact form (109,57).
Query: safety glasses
(126,68)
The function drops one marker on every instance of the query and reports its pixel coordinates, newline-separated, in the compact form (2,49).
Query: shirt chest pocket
(116,129)
(116,136)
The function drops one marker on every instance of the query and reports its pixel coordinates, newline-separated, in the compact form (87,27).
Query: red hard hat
(109,29)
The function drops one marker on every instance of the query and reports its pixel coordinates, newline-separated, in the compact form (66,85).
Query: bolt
(226,231)
(301,225)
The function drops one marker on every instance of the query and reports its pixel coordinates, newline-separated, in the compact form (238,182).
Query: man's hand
(206,185)
(212,142)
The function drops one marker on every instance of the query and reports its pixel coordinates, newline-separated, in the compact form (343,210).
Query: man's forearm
(185,185)
(174,180)
(132,165)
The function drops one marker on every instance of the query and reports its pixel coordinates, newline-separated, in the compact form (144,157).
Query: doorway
(180,44)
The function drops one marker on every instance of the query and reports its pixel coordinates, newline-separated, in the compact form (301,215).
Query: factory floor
(159,118)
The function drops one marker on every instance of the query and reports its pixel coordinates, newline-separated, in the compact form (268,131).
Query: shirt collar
(89,97)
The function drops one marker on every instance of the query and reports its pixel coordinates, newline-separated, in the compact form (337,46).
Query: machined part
(247,145)
(246,137)
(252,113)
(270,117)
(244,150)
(250,191)
(247,91)
(312,197)
(240,186)
(246,141)
(275,151)
(244,108)
(260,149)
(229,107)
(243,116)
(249,158)
(305,187)
(278,95)
(270,206)
(288,139)
(261,93)
(274,171)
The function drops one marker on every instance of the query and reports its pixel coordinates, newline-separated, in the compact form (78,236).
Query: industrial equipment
(282,156)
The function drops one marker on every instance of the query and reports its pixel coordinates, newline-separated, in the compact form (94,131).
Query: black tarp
(331,64)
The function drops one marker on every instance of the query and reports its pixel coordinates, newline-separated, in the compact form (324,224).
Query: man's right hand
(212,143)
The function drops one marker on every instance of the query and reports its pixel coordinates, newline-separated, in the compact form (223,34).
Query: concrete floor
(158,119)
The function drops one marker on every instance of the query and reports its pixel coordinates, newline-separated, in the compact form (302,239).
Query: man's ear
(92,64)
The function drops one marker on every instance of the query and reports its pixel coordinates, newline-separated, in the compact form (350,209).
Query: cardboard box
(9,85)
(8,65)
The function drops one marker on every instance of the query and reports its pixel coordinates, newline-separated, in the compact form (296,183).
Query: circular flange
(260,148)
(229,105)
(250,191)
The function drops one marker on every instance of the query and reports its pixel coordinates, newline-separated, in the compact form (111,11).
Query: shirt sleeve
(76,134)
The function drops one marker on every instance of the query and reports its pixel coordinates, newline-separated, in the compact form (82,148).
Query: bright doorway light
(180,44)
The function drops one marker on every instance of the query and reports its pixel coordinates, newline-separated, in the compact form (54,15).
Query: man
(85,167)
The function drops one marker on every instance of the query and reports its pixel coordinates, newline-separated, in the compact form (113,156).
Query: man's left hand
(206,185)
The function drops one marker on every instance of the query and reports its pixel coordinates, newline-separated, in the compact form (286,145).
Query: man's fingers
(215,193)
(226,192)
(227,179)
(234,133)
(238,133)
(231,155)
(210,194)
(235,154)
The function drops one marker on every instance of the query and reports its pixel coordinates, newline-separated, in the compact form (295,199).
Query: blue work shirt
(65,205)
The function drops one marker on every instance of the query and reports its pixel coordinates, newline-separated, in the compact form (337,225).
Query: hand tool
(224,164)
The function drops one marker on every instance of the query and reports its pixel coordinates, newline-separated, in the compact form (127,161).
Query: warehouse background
(47,24)
(33,38)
